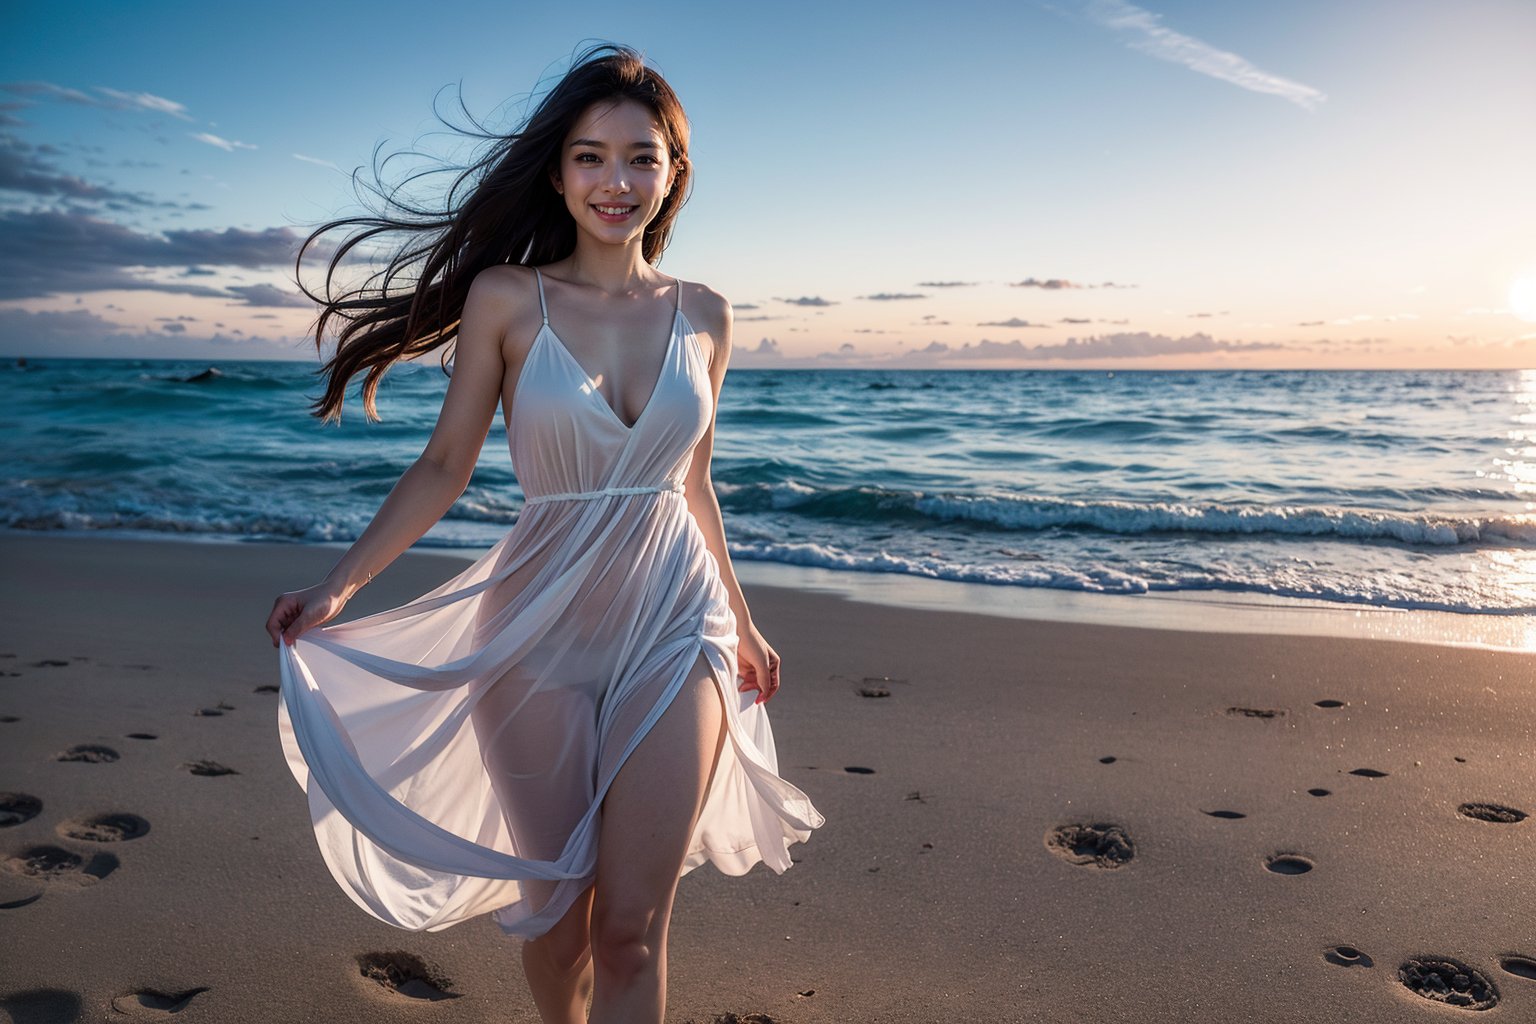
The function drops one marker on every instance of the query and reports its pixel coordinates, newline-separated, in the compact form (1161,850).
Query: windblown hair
(512,215)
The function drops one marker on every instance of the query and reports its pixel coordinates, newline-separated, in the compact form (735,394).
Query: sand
(1027,820)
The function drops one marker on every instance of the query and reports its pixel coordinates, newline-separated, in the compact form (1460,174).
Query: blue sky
(1099,183)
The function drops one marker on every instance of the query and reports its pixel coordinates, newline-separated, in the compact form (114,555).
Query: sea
(1409,490)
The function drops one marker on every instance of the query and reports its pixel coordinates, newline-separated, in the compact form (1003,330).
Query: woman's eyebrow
(603,145)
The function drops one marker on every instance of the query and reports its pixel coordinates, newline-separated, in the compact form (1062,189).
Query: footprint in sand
(56,865)
(749,1018)
(1369,773)
(90,753)
(1448,981)
(1330,703)
(43,1006)
(142,736)
(153,1004)
(8,719)
(104,828)
(51,663)
(208,768)
(1519,966)
(1347,956)
(16,808)
(856,769)
(266,688)
(1100,845)
(406,974)
(1496,813)
(1319,792)
(1256,712)
(1229,815)
(215,711)
(1288,863)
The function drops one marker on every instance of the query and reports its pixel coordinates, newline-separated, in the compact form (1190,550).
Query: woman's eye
(582,156)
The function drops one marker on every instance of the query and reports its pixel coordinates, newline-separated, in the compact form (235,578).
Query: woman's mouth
(614,214)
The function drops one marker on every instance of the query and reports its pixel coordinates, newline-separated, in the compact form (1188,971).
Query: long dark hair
(512,215)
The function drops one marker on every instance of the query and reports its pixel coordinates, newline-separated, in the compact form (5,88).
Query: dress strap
(542,307)
(679,286)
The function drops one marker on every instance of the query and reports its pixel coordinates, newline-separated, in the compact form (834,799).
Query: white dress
(456,749)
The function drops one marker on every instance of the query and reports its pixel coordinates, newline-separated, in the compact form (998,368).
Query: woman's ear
(554,180)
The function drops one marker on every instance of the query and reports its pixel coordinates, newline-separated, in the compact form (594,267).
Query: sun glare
(1522,296)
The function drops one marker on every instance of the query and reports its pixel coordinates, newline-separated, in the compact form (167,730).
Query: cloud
(81,333)
(765,353)
(115,99)
(1112,346)
(270,295)
(229,145)
(1010,322)
(47,252)
(1153,39)
(809,300)
(892,296)
(945,284)
(1054,284)
(316,160)
(24,169)
(148,101)
(844,353)
(743,305)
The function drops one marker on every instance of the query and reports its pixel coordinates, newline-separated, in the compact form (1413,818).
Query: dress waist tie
(537,499)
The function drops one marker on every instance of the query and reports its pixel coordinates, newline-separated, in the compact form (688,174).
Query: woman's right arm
(438,476)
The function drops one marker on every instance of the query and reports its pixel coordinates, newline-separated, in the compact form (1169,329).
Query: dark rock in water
(209,374)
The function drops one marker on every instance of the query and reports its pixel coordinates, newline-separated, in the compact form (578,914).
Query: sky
(1063,184)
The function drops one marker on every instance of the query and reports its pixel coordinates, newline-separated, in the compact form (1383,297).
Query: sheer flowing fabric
(456,750)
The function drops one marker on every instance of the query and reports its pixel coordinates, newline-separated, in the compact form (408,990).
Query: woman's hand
(299,610)
(758,664)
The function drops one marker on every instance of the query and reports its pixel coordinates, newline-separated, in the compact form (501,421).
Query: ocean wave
(1133,518)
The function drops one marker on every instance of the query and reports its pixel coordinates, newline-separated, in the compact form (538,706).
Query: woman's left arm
(758,662)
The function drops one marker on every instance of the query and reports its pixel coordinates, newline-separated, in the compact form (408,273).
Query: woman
(552,736)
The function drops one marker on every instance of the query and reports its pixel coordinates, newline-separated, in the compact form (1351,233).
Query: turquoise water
(1403,489)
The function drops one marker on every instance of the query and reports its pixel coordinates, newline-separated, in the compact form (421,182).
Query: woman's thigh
(654,802)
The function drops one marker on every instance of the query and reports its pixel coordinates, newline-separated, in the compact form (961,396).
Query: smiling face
(615,170)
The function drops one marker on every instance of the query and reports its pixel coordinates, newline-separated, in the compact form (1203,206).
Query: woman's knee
(626,941)
(567,945)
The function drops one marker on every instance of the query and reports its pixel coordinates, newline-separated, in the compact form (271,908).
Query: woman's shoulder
(705,308)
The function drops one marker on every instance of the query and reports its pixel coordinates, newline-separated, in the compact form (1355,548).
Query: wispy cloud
(316,160)
(113,99)
(1152,38)
(228,145)
(148,101)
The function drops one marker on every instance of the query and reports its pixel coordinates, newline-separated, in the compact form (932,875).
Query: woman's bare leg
(648,817)
(558,965)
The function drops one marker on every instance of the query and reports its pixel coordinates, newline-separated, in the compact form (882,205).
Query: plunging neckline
(666,361)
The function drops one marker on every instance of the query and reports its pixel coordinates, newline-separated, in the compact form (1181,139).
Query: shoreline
(1178,611)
